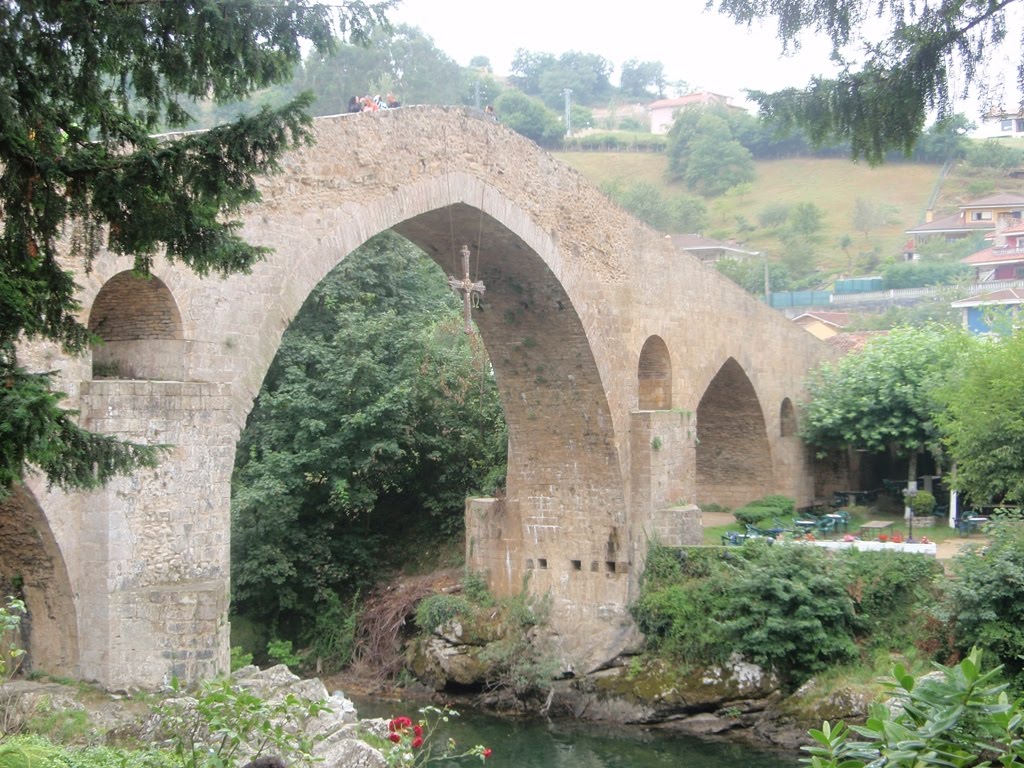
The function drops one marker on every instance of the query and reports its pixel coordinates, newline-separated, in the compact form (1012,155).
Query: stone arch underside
(564,484)
(654,376)
(734,463)
(140,327)
(31,567)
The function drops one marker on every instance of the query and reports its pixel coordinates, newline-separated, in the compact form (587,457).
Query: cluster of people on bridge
(372,103)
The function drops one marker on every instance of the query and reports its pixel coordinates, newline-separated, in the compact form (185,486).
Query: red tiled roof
(838,319)
(954,223)
(844,343)
(1004,296)
(701,97)
(994,255)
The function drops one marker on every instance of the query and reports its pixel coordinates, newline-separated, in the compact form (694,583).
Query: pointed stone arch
(787,418)
(32,567)
(139,325)
(734,462)
(654,376)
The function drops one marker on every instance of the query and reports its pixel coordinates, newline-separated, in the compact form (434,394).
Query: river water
(536,743)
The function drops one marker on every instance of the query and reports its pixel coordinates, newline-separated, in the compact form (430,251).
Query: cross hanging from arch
(469,289)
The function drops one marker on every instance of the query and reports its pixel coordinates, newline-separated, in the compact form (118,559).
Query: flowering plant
(411,742)
(897,538)
(849,537)
(883,537)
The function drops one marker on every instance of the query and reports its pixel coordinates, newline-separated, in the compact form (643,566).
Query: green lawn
(938,532)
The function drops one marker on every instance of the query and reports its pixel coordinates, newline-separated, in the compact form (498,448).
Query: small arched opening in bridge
(32,569)
(734,464)
(787,418)
(654,376)
(139,329)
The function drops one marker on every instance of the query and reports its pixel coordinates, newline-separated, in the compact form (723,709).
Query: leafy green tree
(527,68)
(529,117)
(749,274)
(944,140)
(987,596)
(83,86)
(642,79)
(703,153)
(585,74)
(883,398)
(376,419)
(983,424)
(881,103)
(872,214)
(667,213)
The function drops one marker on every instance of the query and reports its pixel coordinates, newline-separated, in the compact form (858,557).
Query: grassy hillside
(832,184)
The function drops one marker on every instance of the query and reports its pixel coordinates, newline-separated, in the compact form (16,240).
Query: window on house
(1006,125)
(981,216)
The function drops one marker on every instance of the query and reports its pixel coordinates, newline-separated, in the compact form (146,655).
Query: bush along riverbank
(761,641)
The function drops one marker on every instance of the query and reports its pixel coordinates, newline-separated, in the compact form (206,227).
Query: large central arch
(597,328)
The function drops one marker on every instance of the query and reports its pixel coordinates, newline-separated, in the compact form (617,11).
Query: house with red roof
(824,325)
(987,214)
(663,111)
(991,312)
(1004,260)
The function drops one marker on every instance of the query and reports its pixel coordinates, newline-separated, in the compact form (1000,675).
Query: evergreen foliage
(882,104)
(82,87)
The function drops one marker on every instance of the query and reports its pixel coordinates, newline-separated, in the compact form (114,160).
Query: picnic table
(874,526)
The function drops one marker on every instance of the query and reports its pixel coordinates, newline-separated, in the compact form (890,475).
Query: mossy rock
(664,686)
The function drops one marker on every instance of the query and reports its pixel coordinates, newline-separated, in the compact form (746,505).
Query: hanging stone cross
(468,288)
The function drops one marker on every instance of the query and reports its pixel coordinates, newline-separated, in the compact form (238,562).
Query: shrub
(784,505)
(962,719)
(752,515)
(225,723)
(987,595)
(922,503)
(787,608)
(893,593)
(436,610)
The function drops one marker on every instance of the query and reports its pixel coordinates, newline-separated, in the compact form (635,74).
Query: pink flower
(417,742)
(395,737)
(417,731)
(487,752)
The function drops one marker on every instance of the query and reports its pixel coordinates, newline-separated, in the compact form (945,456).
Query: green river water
(536,743)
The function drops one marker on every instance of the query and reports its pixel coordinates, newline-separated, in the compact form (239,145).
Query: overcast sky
(708,51)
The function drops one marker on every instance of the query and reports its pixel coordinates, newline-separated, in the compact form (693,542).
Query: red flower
(417,743)
(417,731)
(487,752)
(395,738)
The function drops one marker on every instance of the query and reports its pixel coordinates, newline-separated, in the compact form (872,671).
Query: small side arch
(654,376)
(139,327)
(787,418)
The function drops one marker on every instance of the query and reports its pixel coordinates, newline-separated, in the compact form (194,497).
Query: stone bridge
(636,382)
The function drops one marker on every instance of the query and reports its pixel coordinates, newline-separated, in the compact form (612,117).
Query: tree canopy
(882,101)
(884,396)
(83,86)
(983,423)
